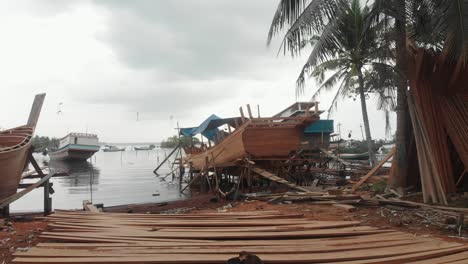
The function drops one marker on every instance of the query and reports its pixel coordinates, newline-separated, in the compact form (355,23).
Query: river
(110,178)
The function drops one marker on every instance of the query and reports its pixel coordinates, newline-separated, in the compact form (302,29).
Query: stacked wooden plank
(85,237)
(437,103)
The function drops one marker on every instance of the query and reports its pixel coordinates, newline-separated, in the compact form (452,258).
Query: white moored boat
(76,146)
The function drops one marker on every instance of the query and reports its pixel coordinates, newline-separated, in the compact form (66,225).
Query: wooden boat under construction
(15,145)
(253,138)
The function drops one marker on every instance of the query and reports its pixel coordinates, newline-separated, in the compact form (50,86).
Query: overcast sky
(102,62)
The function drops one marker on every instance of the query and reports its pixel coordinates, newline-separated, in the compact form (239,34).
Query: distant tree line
(42,143)
(172,142)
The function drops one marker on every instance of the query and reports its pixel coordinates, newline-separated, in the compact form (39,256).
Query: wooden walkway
(86,237)
(272,177)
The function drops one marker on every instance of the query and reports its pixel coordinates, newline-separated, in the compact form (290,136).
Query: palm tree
(436,24)
(347,47)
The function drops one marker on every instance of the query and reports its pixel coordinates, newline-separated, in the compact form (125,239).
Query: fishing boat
(354,156)
(253,138)
(112,149)
(76,146)
(150,147)
(15,145)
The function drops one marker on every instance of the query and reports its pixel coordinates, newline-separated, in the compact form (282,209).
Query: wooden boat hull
(13,158)
(74,153)
(249,141)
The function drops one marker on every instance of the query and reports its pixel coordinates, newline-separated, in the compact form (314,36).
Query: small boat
(354,156)
(150,147)
(15,145)
(76,146)
(112,149)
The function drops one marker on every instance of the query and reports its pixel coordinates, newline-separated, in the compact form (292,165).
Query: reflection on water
(111,178)
(82,173)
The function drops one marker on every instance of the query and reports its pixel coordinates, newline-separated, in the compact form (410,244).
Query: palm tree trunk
(400,170)
(365,117)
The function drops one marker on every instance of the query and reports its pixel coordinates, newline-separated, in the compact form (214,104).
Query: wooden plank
(272,177)
(374,170)
(361,255)
(212,249)
(332,156)
(346,207)
(36,110)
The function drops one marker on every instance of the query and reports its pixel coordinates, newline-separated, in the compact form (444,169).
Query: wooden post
(242,114)
(229,128)
(47,199)
(258,110)
(236,123)
(45,185)
(307,111)
(6,211)
(249,176)
(181,173)
(36,110)
(316,108)
(209,143)
(249,111)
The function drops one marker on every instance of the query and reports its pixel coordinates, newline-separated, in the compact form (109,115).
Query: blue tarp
(205,128)
(188,132)
(209,127)
(321,126)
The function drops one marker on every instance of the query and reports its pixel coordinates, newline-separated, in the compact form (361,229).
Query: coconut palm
(347,48)
(435,24)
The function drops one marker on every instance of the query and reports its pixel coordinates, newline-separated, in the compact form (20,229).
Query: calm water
(111,178)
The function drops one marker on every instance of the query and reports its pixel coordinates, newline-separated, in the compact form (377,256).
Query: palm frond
(330,82)
(343,86)
(286,12)
(312,21)
(456,41)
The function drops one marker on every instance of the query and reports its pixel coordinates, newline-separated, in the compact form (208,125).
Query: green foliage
(173,141)
(379,187)
(42,143)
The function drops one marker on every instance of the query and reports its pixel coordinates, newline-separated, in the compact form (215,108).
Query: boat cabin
(79,139)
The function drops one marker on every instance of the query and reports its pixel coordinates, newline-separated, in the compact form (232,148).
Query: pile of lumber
(438,106)
(86,237)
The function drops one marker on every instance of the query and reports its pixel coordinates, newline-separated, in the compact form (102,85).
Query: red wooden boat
(15,145)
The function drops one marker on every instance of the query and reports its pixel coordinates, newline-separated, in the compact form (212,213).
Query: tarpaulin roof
(204,126)
(209,127)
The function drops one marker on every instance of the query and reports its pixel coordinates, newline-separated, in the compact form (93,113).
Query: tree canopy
(173,141)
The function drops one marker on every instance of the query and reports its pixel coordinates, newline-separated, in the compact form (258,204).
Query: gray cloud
(189,39)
